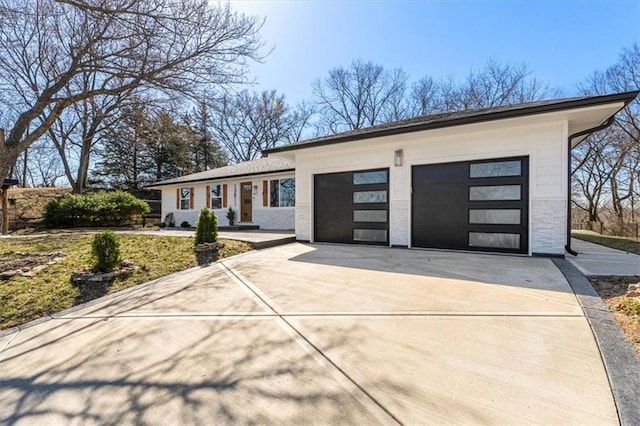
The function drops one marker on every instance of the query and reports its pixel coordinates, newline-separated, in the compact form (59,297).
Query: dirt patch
(612,290)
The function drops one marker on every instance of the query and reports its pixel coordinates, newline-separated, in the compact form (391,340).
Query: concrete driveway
(319,334)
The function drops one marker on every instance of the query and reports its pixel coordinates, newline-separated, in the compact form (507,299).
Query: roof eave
(626,97)
(159,185)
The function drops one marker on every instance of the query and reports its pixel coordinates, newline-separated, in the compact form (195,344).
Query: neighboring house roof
(457,118)
(247,168)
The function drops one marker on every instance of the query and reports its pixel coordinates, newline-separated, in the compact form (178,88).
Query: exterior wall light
(398,158)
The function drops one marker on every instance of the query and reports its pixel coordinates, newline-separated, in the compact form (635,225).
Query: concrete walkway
(594,259)
(304,334)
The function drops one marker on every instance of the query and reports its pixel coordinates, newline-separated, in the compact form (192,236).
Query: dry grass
(625,311)
(23,299)
(627,244)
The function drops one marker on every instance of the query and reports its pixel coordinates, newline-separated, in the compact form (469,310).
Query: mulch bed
(612,290)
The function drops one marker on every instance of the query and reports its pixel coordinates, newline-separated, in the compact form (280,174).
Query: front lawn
(630,245)
(50,290)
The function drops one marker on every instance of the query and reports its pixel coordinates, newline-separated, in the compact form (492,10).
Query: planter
(207,253)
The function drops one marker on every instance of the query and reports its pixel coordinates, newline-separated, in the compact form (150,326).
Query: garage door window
(495,169)
(368,178)
(370,235)
(370,216)
(494,240)
(495,216)
(495,193)
(364,197)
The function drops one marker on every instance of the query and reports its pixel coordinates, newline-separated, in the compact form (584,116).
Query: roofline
(152,186)
(627,97)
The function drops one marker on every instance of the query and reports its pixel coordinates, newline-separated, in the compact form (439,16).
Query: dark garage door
(478,205)
(352,207)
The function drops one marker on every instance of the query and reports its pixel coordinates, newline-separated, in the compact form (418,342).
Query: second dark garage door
(479,205)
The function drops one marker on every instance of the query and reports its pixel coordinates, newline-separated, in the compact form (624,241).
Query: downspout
(603,126)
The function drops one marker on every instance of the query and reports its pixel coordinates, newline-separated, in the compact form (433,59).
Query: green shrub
(96,209)
(231,216)
(206,227)
(630,306)
(106,251)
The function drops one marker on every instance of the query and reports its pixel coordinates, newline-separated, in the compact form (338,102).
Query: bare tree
(162,45)
(362,95)
(39,166)
(500,84)
(615,152)
(249,122)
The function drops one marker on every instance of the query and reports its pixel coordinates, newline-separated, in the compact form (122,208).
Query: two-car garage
(494,179)
(480,205)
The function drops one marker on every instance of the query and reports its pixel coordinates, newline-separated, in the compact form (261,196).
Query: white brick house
(494,179)
(261,192)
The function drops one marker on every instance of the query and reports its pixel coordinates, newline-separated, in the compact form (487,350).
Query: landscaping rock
(634,287)
(85,277)
(632,294)
(6,275)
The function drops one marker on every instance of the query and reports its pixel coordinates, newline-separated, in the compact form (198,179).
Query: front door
(246,202)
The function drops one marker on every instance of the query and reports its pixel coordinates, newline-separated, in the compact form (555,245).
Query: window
(282,193)
(495,216)
(370,216)
(366,178)
(185,198)
(216,197)
(371,235)
(495,169)
(363,197)
(495,193)
(494,240)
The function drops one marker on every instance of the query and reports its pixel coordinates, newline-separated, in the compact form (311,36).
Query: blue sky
(562,41)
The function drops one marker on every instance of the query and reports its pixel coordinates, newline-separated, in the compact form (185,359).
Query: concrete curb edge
(618,356)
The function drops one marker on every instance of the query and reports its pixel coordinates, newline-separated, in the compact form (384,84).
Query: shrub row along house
(494,179)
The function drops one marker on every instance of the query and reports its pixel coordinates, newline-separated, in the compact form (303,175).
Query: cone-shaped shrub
(206,227)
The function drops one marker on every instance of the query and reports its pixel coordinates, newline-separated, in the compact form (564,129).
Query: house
(261,192)
(494,179)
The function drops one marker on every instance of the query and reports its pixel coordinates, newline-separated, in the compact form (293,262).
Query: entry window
(185,198)
(495,169)
(494,240)
(282,193)
(216,197)
(364,197)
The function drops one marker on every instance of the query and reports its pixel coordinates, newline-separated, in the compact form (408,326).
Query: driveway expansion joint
(317,352)
(619,358)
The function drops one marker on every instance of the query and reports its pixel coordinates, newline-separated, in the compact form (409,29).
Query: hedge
(95,209)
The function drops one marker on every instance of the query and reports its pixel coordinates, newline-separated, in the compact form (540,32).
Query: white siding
(544,142)
(264,217)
